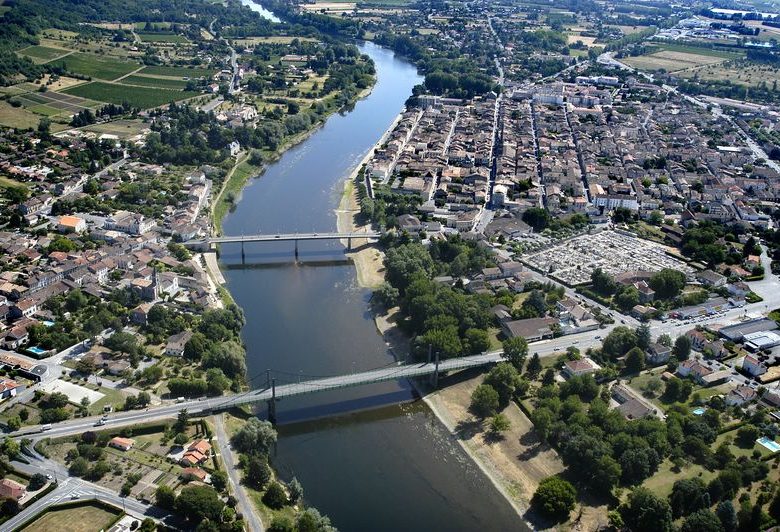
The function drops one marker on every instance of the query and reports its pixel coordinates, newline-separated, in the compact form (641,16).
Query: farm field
(748,75)
(97,67)
(17,116)
(43,54)
(672,61)
(74,519)
(276,39)
(176,72)
(162,37)
(143,97)
(148,81)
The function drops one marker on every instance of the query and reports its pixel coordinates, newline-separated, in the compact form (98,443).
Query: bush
(275,497)
(554,498)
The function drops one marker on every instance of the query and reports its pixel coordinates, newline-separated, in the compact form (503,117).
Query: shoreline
(370,274)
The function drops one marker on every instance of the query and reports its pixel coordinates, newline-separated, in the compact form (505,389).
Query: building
(8,388)
(10,489)
(752,366)
(197,453)
(629,405)
(71,224)
(658,354)
(711,278)
(582,366)
(736,333)
(740,396)
(532,329)
(128,222)
(193,473)
(123,444)
(175,345)
(761,340)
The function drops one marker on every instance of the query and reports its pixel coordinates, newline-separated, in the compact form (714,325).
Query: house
(140,313)
(8,388)
(123,444)
(175,345)
(752,366)
(71,224)
(10,489)
(583,366)
(658,354)
(234,148)
(197,453)
(193,473)
(741,395)
(711,279)
(693,368)
(630,406)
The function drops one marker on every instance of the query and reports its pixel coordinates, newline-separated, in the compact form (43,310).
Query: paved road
(245,505)
(282,237)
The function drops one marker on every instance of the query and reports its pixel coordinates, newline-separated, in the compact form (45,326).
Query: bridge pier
(435,374)
(349,244)
(296,251)
(272,403)
(243,257)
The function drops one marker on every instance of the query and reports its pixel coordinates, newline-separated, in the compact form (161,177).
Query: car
(100,422)
(49,477)
(74,495)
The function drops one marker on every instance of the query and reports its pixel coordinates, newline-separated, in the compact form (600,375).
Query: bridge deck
(281,238)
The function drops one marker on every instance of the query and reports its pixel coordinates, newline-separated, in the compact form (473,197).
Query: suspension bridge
(207,243)
(273,392)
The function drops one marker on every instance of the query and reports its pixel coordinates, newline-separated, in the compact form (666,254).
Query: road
(69,489)
(245,505)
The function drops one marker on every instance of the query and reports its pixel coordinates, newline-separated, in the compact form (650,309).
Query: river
(389,468)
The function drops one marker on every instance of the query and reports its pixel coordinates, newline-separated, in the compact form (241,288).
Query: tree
(387,295)
(182,420)
(296,491)
(534,366)
(554,498)
(643,337)
(14,423)
(728,515)
(635,360)
(484,401)
(603,283)
(667,283)
(702,521)
(499,423)
(687,496)
(310,520)
(228,356)
(747,436)
(216,381)
(79,467)
(257,473)
(255,437)
(619,342)
(196,347)
(37,481)
(219,480)
(504,379)
(274,496)
(143,399)
(646,512)
(516,351)
(682,348)
(197,503)
(627,299)
(282,523)
(403,262)
(537,217)
(606,474)
(476,341)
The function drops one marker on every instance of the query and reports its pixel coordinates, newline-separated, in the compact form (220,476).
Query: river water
(389,468)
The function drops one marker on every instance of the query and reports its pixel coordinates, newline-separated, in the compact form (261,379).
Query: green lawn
(97,67)
(147,81)
(75,519)
(162,37)
(143,97)
(661,483)
(42,53)
(177,72)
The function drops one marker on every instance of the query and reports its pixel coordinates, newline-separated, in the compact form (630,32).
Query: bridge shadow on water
(278,259)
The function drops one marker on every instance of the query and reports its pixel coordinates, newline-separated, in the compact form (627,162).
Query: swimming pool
(772,445)
(699,411)
(36,350)
(48,323)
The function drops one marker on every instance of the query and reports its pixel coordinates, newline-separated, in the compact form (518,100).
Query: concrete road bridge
(206,244)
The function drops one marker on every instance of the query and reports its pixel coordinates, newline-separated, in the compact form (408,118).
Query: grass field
(42,54)
(120,128)
(143,97)
(276,39)
(162,37)
(148,81)
(17,116)
(672,61)
(176,72)
(83,518)
(97,67)
(155,25)
(742,74)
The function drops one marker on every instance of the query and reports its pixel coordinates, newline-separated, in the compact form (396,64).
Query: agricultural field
(74,518)
(43,54)
(276,39)
(148,81)
(748,74)
(177,72)
(673,58)
(162,37)
(17,117)
(97,67)
(143,97)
